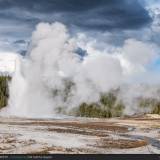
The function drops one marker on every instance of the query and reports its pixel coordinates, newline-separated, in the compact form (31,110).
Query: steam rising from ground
(52,74)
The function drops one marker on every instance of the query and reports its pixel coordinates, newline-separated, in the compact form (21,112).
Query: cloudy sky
(112,21)
(101,24)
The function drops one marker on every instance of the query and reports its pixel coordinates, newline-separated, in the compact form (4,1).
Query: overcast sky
(110,21)
(119,19)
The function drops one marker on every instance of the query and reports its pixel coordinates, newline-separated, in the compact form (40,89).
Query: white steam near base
(38,85)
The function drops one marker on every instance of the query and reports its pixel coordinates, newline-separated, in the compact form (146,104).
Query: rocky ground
(139,134)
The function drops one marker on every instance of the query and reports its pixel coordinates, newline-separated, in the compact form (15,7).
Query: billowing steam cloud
(53,75)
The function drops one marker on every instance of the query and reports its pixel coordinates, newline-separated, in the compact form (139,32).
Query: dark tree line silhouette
(4,90)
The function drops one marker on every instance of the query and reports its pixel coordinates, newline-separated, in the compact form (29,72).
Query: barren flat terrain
(80,135)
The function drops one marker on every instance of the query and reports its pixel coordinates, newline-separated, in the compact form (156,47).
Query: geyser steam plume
(53,75)
(39,85)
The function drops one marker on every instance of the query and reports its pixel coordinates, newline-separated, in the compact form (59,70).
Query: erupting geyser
(38,85)
(53,75)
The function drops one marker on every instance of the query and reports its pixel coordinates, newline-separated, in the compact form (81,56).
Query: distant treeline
(150,104)
(4,90)
(108,106)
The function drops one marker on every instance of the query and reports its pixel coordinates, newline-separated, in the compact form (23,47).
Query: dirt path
(79,135)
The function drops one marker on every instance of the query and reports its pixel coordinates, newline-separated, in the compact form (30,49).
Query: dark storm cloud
(98,15)
(21,41)
(18,18)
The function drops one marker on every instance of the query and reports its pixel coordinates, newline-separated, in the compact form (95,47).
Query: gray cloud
(89,14)
(19,17)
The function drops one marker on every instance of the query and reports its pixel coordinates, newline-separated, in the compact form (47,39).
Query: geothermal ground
(80,135)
